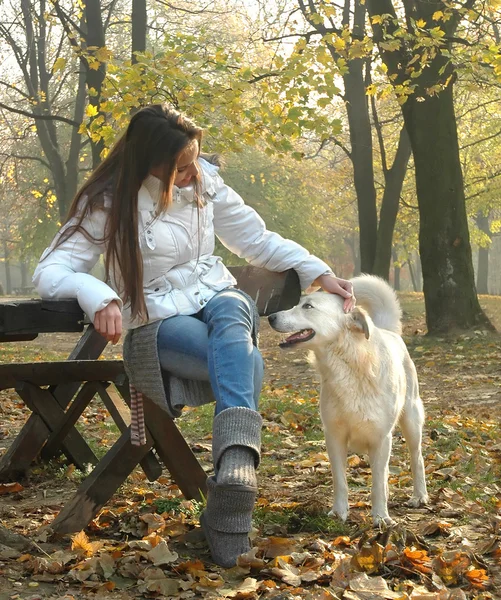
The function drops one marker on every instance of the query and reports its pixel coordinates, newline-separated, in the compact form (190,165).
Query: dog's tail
(379,300)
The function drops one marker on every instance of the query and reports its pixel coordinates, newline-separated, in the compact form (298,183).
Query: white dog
(368,384)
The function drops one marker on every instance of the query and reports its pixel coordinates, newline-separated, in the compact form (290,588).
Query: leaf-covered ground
(147,543)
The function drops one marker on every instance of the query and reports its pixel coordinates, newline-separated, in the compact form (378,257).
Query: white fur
(368,385)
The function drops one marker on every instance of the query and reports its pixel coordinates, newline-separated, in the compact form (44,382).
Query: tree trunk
(394,179)
(139,20)
(357,110)
(483,256)
(8,279)
(444,241)
(419,273)
(413,276)
(95,41)
(352,244)
(396,272)
(361,156)
(24,274)
(76,141)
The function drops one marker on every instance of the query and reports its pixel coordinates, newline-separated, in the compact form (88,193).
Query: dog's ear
(357,322)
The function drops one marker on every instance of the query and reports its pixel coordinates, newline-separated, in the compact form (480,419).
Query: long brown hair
(156,136)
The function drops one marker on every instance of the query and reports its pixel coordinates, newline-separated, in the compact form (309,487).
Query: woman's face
(187,166)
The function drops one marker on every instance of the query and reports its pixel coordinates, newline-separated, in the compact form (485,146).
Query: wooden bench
(57,393)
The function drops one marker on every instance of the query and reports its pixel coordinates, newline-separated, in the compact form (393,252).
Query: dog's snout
(272,319)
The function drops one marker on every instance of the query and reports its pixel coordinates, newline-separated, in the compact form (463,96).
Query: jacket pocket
(158,286)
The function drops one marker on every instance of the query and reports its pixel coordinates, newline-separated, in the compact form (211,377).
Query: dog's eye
(307,305)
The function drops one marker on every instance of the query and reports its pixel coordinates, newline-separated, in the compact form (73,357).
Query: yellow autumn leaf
(103,54)
(80,541)
(421,23)
(339,44)
(59,64)
(91,110)
(437,15)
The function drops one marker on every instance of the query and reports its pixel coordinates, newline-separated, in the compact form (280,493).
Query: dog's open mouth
(300,336)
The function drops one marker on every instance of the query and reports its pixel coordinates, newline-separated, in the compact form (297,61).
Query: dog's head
(318,319)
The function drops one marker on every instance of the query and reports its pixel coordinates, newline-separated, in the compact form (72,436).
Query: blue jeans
(215,345)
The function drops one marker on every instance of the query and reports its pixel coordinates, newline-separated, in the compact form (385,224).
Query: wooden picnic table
(58,392)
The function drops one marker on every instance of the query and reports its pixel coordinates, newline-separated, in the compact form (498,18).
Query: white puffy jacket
(181,273)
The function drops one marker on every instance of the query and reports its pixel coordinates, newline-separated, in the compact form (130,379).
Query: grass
(178,506)
(299,519)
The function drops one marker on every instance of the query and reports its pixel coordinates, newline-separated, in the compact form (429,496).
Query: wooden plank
(24,449)
(44,404)
(112,470)
(17,337)
(121,415)
(48,373)
(270,291)
(39,316)
(174,452)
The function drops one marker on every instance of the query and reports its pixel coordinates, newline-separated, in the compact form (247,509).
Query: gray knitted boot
(227,519)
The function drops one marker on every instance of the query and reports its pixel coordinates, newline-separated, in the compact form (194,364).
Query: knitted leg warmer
(231,494)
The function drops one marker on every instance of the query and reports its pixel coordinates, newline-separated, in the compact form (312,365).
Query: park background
(368,131)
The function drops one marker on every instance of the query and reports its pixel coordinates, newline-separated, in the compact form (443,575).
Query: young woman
(153,208)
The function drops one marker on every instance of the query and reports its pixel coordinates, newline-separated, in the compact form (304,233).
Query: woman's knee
(231,303)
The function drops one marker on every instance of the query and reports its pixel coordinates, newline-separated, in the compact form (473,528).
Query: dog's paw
(386,521)
(417,501)
(339,513)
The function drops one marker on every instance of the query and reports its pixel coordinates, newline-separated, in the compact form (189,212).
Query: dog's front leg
(337,451)
(379,457)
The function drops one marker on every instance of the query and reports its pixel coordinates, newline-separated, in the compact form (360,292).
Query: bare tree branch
(25,113)
(21,157)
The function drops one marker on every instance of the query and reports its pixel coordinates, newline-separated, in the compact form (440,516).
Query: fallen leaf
(436,528)
(250,560)
(81,543)
(153,521)
(10,488)
(277,546)
(478,578)
(245,590)
(287,573)
(164,586)
(162,555)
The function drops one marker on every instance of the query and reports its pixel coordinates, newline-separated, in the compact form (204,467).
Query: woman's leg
(183,350)
(182,347)
(236,374)
(235,364)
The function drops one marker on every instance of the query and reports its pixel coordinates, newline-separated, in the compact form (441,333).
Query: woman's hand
(108,322)
(341,287)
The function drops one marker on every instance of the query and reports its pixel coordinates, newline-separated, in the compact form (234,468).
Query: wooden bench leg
(43,403)
(24,449)
(112,470)
(174,452)
(68,420)
(120,414)
(30,440)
